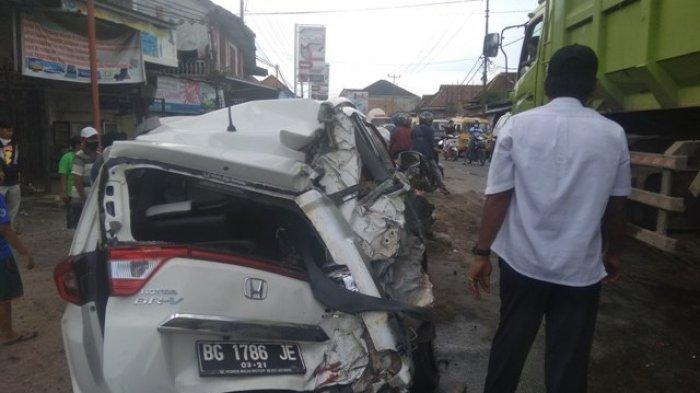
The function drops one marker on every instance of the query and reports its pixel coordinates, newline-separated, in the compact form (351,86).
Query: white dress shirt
(563,161)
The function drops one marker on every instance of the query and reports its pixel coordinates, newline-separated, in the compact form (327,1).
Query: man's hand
(479,275)
(613,265)
(65,198)
(28,261)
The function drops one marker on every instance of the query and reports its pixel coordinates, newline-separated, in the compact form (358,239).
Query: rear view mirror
(492,43)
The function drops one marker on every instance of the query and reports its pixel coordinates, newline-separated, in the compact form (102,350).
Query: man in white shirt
(556,189)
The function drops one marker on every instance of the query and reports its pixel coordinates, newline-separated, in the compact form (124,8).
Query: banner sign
(184,96)
(56,47)
(157,43)
(359,98)
(319,84)
(310,51)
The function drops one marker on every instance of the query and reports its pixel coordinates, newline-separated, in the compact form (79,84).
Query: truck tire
(426,376)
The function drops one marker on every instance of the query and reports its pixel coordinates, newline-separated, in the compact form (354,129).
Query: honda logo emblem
(255,288)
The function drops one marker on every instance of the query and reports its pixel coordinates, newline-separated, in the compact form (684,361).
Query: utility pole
(295,60)
(486,63)
(242,10)
(92,48)
(393,77)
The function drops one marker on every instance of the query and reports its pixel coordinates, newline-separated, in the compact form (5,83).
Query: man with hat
(555,195)
(10,182)
(82,165)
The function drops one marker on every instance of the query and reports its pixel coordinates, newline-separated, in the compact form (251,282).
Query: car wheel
(426,375)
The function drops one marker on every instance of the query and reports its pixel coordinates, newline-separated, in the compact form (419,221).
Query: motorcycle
(449,147)
(477,149)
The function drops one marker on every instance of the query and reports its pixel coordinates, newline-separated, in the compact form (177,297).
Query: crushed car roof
(264,149)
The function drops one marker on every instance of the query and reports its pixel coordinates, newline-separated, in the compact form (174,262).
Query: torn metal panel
(378,226)
(403,278)
(346,357)
(341,165)
(371,229)
(339,240)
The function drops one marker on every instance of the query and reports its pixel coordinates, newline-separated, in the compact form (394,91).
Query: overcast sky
(427,46)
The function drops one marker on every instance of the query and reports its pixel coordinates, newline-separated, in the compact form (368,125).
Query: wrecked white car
(271,247)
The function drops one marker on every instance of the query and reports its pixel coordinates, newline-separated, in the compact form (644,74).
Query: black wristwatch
(481,253)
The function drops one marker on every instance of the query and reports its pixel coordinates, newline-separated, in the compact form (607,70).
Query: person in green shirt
(65,166)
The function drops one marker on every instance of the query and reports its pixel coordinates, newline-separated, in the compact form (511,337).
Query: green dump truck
(649,82)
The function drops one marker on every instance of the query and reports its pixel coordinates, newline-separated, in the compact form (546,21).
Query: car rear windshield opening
(175,208)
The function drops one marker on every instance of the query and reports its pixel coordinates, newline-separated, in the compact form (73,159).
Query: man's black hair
(572,73)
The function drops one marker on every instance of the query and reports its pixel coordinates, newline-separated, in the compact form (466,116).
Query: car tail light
(67,282)
(131,268)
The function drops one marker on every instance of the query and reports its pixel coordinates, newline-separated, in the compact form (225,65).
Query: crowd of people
(10,199)
(77,169)
(420,139)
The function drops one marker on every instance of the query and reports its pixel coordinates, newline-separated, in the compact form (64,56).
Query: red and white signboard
(310,51)
(319,84)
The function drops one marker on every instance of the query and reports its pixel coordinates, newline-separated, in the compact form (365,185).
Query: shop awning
(241,90)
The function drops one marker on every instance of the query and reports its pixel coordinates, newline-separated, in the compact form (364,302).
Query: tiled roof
(385,88)
(272,81)
(502,82)
(452,94)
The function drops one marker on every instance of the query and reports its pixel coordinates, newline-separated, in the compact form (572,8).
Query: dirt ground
(647,337)
(39,365)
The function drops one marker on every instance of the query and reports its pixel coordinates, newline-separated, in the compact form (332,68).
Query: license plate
(218,359)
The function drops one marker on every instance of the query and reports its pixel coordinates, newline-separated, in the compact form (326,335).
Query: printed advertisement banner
(157,43)
(310,51)
(319,84)
(359,98)
(184,96)
(55,47)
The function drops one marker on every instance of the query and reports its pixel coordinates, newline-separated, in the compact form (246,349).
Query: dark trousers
(570,316)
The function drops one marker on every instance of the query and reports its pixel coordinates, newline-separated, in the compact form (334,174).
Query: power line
(178,7)
(424,56)
(513,42)
(288,62)
(475,67)
(425,48)
(332,61)
(452,37)
(508,12)
(172,14)
(362,9)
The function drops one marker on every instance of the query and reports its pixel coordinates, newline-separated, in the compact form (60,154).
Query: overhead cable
(406,6)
